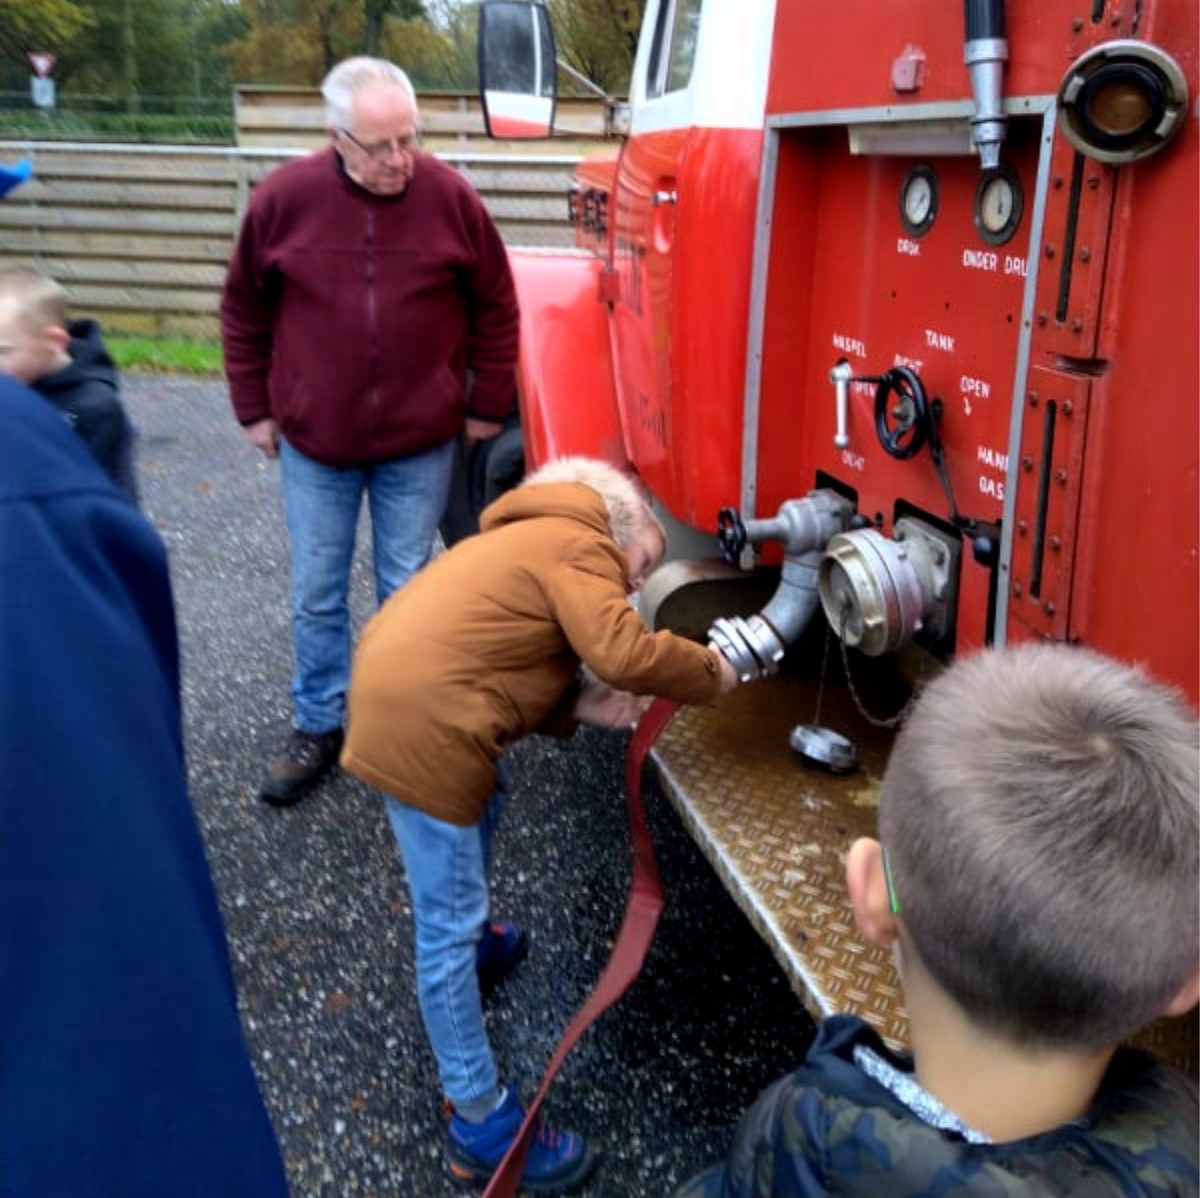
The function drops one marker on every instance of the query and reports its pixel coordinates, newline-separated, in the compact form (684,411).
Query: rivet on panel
(1056,543)
(1022,527)
(1067,407)
(1027,463)
(1018,589)
(1051,607)
(1060,477)
(1085,254)
(1077,324)
(1093,182)
(1049,251)
(1057,182)
(1076,24)
(1033,399)
(1041,319)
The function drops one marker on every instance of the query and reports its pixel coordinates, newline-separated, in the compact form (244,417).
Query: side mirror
(517,78)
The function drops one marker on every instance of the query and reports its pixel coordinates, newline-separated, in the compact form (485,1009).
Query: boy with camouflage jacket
(1037,879)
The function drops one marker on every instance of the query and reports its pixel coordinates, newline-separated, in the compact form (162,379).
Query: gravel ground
(318,916)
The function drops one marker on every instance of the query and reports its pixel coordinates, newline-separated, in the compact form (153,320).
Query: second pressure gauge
(998,205)
(918,200)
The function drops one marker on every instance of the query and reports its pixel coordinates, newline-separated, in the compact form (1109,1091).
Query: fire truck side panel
(860,54)
(564,374)
(1137,578)
(788,302)
(683,250)
(847,282)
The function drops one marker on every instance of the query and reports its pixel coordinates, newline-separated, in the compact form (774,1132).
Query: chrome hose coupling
(751,646)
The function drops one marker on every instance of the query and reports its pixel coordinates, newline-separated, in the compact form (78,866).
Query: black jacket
(86,391)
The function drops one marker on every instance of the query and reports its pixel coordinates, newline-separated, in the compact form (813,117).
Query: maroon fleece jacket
(353,319)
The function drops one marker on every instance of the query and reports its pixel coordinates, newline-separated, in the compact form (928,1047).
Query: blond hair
(1041,813)
(354,75)
(37,301)
(628,510)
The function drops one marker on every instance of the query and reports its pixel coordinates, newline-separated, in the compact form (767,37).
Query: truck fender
(564,374)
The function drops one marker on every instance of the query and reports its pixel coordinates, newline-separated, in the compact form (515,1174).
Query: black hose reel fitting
(903,417)
(731,534)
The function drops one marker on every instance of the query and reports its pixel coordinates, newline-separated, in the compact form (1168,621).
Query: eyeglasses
(889,881)
(376,151)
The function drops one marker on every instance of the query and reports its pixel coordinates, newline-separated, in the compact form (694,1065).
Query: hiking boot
(503,947)
(304,761)
(558,1161)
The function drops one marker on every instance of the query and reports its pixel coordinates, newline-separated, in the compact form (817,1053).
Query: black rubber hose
(984,19)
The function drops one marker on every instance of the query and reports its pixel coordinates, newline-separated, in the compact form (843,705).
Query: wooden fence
(276,117)
(140,235)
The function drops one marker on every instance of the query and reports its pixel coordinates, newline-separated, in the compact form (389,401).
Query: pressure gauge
(918,200)
(998,205)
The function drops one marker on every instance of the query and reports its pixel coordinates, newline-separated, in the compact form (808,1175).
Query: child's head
(33,325)
(631,521)
(1039,814)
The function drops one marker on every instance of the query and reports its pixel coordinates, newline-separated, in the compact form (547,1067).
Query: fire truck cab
(895,308)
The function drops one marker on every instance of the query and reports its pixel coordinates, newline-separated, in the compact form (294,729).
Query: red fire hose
(625,960)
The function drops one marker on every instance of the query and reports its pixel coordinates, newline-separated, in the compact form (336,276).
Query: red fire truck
(900,302)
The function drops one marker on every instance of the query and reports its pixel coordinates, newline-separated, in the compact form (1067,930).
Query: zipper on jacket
(373,323)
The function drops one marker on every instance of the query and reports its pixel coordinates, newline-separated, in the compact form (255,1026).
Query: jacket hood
(89,359)
(570,501)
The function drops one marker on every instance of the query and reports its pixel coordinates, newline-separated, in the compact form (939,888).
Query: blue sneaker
(503,947)
(558,1161)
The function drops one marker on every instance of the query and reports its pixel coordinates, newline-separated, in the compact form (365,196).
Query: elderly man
(368,318)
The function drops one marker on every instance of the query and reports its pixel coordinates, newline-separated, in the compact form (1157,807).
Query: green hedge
(76,126)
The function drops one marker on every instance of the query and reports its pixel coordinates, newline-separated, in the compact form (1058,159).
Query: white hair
(627,507)
(354,75)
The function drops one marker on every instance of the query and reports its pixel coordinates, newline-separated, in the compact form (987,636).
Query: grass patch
(165,355)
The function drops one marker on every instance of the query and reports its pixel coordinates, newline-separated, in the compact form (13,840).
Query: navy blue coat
(123,1069)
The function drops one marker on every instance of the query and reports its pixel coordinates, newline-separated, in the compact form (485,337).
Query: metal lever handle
(840,376)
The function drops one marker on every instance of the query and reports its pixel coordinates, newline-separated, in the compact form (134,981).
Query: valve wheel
(902,414)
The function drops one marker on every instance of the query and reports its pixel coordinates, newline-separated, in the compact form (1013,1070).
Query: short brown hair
(36,299)
(628,509)
(1041,813)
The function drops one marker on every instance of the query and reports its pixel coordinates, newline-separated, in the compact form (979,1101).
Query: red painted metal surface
(679,326)
(564,376)
(836,56)
(1137,578)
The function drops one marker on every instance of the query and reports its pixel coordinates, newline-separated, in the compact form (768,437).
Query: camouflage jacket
(830,1129)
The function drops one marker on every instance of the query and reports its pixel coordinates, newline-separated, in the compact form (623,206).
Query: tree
(599,38)
(438,51)
(213,26)
(129,62)
(296,41)
(374,12)
(52,26)
(152,57)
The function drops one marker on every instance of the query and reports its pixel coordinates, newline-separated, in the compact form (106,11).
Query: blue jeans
(448,867)
(406,498)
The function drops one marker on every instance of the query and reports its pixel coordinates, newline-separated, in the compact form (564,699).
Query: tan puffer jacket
(484,645)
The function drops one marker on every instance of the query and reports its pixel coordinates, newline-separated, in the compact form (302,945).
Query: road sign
(41,62)
(42,91)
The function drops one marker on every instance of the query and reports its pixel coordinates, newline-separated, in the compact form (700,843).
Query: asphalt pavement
(317,912)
